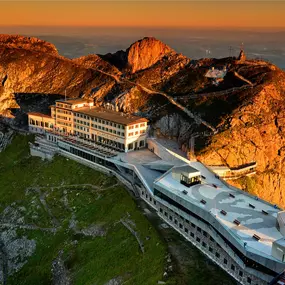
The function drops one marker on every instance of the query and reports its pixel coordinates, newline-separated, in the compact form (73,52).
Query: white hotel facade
(79,118)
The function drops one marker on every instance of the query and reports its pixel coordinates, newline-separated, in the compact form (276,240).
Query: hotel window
(233,267)
(240,273)
(198,229)
(211,239)
(131,134)
(197,239)
(225,261)
(103,122)
(136,133)
(204,244)
(99,121)
(193,226)
(175,222)
(131,127)
(142,125)
(217,255)
(114,132)
(170,218)
(107,123)
(192,235)
(180,226)
(186,230)
(137,126)
(210,249)
(160,210)
(142,131)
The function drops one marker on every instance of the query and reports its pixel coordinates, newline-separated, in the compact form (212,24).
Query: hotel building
(79,118)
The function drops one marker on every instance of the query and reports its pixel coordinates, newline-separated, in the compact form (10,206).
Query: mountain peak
(28,43)
(140,55)
(146,52)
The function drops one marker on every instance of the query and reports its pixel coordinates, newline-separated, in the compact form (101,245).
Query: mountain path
(195,117)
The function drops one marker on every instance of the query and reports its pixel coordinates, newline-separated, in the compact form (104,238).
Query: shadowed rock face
(250,120)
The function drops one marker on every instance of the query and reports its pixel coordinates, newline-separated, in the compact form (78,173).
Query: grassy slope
(90,260)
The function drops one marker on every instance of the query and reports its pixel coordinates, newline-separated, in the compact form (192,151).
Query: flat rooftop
(109,115)
(39,115)
(252,220)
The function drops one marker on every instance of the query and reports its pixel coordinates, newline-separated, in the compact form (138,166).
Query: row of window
(40,124)
(63,112)
(136,133)
(198,239)
(122,134)
(81,122)
(186,230)
(81,128)
(136,126)
(104,122)
(63,118)
(62,105)
(64,124)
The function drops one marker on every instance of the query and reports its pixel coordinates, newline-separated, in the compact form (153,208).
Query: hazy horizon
(193,43)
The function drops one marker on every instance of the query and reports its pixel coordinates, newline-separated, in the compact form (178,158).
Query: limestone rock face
(140,55)
(36,68)
(29,43)
(96,62)
(146,52)
(255,131)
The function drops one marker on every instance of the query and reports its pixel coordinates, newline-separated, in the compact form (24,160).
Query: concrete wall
(40,153)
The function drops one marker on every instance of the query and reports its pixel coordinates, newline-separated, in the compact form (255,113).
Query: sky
(133,13)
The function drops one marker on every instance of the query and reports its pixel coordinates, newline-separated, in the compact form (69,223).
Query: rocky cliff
(235,119)
(140,55)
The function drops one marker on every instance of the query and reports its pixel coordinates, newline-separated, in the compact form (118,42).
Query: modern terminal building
(241,233)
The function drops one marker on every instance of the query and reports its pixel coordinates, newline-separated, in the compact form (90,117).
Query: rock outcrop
(29,43)
(145,53)
(140,55)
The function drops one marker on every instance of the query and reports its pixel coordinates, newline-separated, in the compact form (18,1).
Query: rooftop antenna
(230,51)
